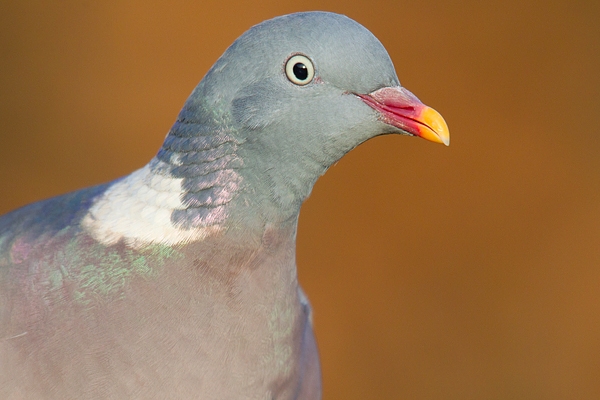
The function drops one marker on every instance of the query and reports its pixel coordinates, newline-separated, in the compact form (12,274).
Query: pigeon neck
(203,181)
(206,162)
(183,195)
(228,178)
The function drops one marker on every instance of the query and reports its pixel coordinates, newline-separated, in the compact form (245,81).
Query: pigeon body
(179,280)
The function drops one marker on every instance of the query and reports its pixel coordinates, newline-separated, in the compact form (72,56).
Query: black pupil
(300,71)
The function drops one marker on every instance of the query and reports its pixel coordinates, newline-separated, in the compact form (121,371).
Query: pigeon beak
(400,108)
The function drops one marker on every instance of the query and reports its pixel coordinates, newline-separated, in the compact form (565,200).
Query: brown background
(468,272)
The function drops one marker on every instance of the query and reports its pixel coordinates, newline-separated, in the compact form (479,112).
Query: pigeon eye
(299,70)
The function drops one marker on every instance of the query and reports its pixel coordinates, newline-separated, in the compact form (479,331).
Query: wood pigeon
(179,280)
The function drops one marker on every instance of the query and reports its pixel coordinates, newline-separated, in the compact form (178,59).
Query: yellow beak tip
(436,128)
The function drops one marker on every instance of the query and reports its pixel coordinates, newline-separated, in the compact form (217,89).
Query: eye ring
(299,70)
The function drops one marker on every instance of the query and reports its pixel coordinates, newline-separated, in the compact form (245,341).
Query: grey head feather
(246,119)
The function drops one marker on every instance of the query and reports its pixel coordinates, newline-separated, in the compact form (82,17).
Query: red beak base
(400,108)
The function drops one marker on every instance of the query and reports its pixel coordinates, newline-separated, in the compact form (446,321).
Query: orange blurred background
(468,272)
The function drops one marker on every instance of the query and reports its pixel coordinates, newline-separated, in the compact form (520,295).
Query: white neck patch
(138,210)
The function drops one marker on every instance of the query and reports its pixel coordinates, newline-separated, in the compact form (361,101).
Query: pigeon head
(284,102)
(290,97)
